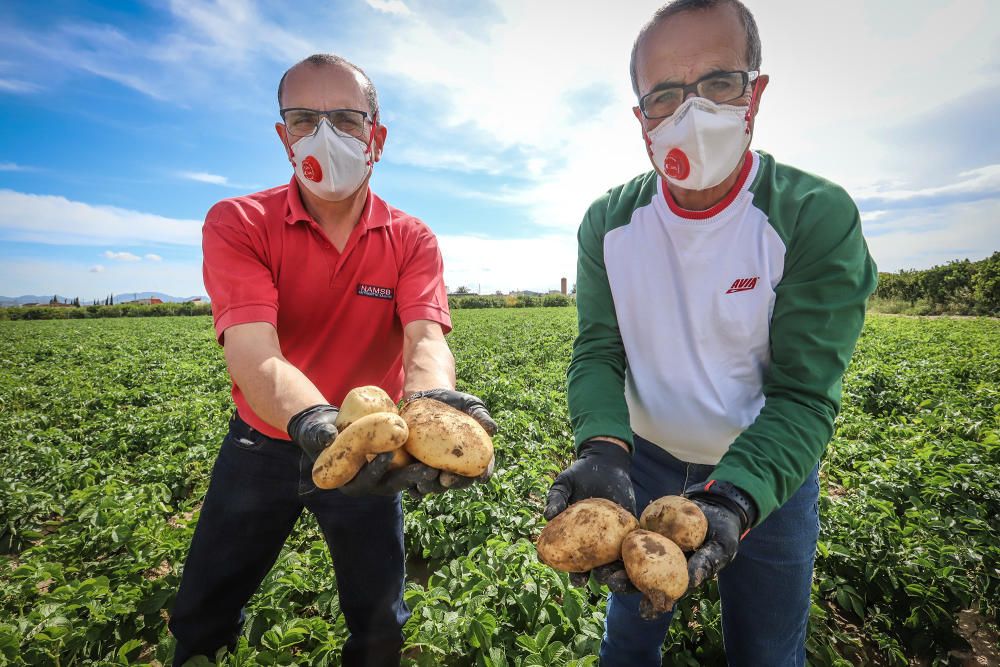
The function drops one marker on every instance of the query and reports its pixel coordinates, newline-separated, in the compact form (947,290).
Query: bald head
(752,46)
(321,60)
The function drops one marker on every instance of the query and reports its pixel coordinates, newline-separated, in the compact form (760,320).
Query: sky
(122,123)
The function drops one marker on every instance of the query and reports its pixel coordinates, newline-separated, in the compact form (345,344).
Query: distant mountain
(6,301)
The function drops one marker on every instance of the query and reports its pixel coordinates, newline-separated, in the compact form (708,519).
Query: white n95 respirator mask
(330,163)
(701,143)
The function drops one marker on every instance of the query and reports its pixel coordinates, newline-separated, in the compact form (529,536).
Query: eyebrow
(674,83)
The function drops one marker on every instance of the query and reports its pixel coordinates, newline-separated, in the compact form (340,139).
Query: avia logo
(743,285)
(375,291)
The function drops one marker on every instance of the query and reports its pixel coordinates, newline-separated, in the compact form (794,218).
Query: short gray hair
(678,6)
(319,59)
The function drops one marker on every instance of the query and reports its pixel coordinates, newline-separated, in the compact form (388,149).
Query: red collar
(374,214)
(718,208)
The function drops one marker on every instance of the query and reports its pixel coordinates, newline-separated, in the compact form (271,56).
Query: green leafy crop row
(108,430)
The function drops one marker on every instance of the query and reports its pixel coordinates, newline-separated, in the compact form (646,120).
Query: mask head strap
(371,139)
(753,94)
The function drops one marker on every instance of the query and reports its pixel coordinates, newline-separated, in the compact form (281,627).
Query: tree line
(99,311)
(959,287)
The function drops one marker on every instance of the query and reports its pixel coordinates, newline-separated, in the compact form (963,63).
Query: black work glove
(376,479)
(313,429)
(601,470)
(730,513)
(475,408)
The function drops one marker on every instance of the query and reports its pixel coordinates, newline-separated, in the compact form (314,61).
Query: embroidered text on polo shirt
(375,291)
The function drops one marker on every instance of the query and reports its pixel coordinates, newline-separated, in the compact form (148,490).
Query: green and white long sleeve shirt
(721,336)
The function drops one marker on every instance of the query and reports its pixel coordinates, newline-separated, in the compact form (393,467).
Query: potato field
(109,428)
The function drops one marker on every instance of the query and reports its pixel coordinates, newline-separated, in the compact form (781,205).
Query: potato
(678,519)
(371,434)
(587,534)
(362,401)
(400,458)
(656,566)
(446,438)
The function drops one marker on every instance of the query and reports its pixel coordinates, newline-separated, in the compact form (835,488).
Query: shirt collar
(741,181)
(374,214)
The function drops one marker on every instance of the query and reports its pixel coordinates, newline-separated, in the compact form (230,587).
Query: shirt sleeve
(236,273)
(420,292)
(819,310)
(596,375)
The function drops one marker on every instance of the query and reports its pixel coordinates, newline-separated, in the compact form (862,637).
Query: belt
(242,429)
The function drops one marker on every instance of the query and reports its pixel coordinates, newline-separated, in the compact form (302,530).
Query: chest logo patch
(375,291)
(743,285)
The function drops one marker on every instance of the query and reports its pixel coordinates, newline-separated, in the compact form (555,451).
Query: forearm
(275,389)
(772,458)
(427,361)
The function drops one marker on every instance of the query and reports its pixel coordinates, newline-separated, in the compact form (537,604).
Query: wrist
(299,419)
(606,450)
(608,440)
(728,495)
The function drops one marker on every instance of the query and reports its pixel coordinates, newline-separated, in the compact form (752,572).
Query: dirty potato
(678,519)
(656,566)
(362,401)
(371,434)
(447,439)
(587,534)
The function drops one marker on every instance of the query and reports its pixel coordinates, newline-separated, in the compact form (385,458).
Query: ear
(378,143)
(283,136)
(761,84)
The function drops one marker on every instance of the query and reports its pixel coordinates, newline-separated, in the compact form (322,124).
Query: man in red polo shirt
(317,287)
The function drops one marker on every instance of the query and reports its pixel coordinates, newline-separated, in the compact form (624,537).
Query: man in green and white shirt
(720,297)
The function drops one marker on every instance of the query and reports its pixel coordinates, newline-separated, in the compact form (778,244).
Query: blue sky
(124,122)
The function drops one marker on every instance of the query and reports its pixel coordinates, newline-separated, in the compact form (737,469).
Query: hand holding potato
(449,433)
(730,513)
(467,403)
(314,429)
(600,471)
(430,447)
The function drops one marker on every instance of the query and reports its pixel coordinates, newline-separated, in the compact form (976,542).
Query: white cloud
(77,279)
(204,177)
(153,257)
(432,158)
(871,216)
(488,265)
(18,86)
(121,256)
(390,7)
(97,268)
(517,83)
(59,221)
(12,166)
(921,239)
(984,180)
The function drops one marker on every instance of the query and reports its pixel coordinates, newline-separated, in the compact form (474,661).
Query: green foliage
(959,287)
(108,431)
(94,311)
(500,301)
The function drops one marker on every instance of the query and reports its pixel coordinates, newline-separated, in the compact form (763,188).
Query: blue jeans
(764,591)
(258,489)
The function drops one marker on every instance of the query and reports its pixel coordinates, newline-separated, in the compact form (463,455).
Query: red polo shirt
(339,315)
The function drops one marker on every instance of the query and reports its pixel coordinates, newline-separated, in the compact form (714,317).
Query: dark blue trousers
(258,489)
(764,591)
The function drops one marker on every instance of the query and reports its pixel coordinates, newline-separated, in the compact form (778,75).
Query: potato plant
(108,430)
